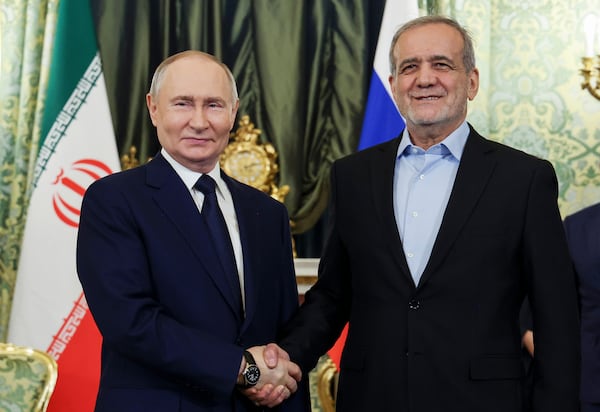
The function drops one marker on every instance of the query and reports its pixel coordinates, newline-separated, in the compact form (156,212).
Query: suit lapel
(381,176)
(473,173)
(186,217)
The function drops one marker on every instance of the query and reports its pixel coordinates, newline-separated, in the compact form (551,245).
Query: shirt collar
(190,177)
(455,142)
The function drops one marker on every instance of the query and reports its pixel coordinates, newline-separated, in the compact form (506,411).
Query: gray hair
(160,71)
(468,50)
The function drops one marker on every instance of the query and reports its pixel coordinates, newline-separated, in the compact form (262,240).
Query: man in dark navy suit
(180,331)
(583,235)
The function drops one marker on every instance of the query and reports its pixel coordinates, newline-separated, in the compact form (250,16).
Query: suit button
(414,304)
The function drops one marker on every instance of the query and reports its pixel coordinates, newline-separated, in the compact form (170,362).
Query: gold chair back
(323,385)
(27,378)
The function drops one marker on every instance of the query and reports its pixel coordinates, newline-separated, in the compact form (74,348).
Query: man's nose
(198,119)
(426,76)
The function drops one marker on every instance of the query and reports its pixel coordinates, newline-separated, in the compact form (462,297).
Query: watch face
(252,375)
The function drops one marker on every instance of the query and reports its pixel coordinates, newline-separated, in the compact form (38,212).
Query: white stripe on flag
(382,121)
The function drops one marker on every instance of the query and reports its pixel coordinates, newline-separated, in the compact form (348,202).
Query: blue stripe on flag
(382,121)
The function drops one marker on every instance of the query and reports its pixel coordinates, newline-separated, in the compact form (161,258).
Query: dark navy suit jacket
(583,235)
(172,340)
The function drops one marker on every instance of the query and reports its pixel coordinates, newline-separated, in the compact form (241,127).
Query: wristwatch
(251,373)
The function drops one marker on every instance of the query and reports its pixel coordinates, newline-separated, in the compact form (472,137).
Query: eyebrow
(440,57)
(407,61)
(205,99)
(182,97)
(435,57)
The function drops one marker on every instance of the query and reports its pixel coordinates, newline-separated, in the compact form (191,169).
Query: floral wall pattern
(22,76)
(529,56)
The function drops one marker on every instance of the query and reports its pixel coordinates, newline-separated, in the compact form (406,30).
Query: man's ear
(150,103)
(234,110)
(473,85)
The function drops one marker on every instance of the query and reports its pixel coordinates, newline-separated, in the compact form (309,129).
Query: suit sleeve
(553,298)
(326,306)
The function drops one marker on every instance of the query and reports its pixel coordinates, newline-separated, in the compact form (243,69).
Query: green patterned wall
(23,73)
(529,56)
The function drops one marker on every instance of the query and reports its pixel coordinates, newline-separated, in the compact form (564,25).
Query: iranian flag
(78,146)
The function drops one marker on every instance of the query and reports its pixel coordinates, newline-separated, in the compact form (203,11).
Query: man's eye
(408,68)
(442,65)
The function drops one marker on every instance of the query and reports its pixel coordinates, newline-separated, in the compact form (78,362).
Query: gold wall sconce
(591,60)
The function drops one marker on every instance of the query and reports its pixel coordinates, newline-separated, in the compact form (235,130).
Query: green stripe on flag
(74,48)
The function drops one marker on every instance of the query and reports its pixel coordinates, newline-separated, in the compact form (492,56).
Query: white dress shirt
(225,202)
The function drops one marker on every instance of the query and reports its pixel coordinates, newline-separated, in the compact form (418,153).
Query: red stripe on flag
(335,353)
(77,350)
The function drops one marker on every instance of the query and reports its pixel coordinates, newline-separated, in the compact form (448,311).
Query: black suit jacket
(451,343)
(583,235)
(172,340)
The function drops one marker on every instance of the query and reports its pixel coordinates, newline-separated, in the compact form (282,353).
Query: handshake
(276,379)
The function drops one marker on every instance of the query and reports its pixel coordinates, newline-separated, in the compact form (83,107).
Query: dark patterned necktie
(218,230)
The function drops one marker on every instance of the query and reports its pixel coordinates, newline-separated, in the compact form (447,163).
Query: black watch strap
(251,373)
(249,358)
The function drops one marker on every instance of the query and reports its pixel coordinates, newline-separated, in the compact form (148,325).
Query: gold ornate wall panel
(529,55)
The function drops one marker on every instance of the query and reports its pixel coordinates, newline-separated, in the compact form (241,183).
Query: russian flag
(382,120)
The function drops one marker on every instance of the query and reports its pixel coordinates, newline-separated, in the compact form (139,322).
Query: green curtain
(302,68)
(24,27)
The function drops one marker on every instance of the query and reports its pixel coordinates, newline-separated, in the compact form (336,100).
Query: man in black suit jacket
(174,328)
(583,236)
(435,239)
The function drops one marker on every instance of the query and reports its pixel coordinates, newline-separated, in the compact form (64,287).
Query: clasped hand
(279,376)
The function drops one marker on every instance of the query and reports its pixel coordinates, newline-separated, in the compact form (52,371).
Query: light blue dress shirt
(423,181)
